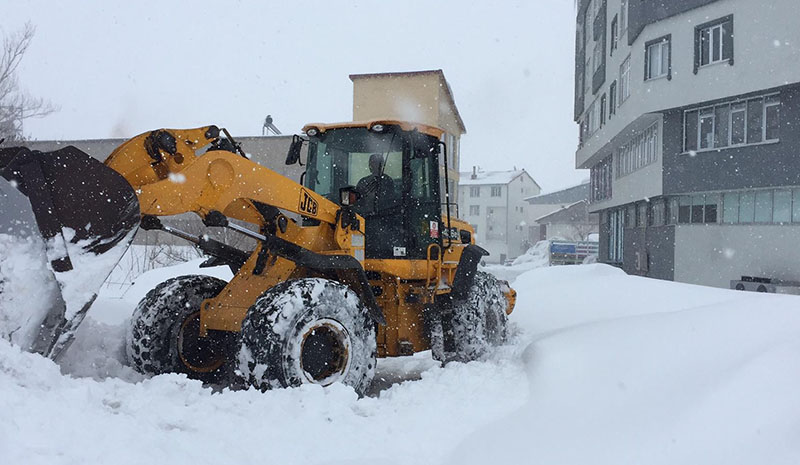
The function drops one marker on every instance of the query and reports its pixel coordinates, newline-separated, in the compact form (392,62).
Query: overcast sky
(122,68)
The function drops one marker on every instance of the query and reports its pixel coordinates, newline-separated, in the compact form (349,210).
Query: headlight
(312,132)
(377,127)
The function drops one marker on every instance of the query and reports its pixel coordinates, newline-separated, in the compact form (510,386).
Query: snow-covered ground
(601,368)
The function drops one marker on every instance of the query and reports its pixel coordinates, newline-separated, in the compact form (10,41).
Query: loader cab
(395,172)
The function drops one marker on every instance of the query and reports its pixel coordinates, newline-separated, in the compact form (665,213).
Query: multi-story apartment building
(493,202)
(688,112)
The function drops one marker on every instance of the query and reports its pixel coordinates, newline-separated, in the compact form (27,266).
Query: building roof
(483,178)
(576,212)
(438,72)
(564,196)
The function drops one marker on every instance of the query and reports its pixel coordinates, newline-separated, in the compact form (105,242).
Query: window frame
(639,151)
(612,99)
(698,43)
(614,36)
(737,106)
(661,43)
(691,204)
(764,124)
(625,80)
(601,180)
(603,111)
(597,57)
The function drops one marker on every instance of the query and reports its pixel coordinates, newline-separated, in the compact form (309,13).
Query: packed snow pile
(537,256)
(603,368)
(28,290)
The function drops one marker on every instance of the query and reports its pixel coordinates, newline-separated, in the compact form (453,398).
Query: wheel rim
(199,354)
(324,352)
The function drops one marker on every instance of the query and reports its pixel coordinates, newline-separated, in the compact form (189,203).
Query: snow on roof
(559,210)
(568,195)
(490,177)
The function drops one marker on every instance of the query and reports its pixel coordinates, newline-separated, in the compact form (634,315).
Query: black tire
(309,330)
(163,336)
(477,324)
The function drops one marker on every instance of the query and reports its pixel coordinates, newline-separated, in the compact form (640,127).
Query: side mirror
(348,196)
(466,236)
(294,150)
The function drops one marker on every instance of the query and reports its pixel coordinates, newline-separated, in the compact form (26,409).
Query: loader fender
(465,273)
(315,261)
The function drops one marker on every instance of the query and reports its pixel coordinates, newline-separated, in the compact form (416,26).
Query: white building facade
(493,202)
(687,112)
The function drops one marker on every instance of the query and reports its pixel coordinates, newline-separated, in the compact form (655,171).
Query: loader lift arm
(170,177)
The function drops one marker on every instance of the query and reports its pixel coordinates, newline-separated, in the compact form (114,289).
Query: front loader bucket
(66,219)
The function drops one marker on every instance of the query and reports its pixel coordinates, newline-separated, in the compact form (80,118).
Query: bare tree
(15,105)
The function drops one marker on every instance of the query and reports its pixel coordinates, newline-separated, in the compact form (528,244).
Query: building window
(475,191)
(706,126)
(753,121)
(772,117)
(763,207)
(641,215)
(612,99)
(603,104)
(747,207)
(779,206)
(600,180)
(614,35)
(730,208)
(623,17)
(587,90)
(657,215)
(625,80)
(474,210)
(616,232)
(796,206)
(594,117)
(713,42)
(738,129)
(782,206)
(598,57)
(657,58)
(497,191)
(639,152)
(700,208)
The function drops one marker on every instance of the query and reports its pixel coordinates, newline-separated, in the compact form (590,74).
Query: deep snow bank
(604,368)
(631,370)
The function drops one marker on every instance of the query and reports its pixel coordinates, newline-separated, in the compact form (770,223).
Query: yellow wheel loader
(360,259)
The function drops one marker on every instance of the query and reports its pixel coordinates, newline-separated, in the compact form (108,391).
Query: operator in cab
(376,189)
